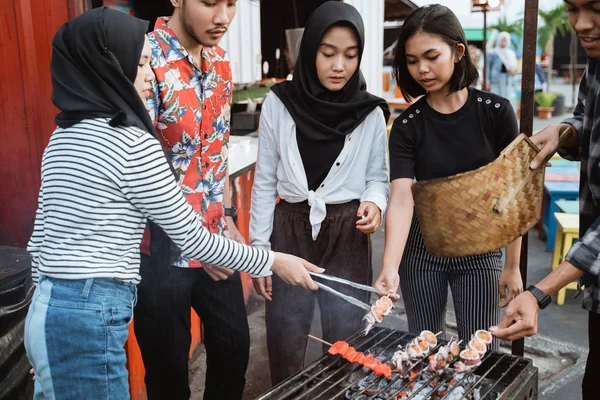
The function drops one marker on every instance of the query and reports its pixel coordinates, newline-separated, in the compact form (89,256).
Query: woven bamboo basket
(483,210)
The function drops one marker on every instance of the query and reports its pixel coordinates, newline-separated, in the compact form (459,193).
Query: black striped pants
(424,281)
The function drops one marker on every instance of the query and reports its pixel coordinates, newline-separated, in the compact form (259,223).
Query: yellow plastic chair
(567,231)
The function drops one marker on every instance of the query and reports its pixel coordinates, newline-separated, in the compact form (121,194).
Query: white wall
(242,42)
(372,12)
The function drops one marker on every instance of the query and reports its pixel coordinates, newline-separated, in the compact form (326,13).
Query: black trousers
(424,282)
(592,368)
(162,328)
(344,252)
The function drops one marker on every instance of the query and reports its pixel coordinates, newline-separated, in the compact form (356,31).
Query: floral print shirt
(190,106)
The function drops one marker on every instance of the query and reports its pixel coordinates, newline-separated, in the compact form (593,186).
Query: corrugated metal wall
(26,112)
(242,42)
(373,12)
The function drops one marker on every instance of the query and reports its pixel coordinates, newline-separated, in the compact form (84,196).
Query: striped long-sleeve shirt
(99,185)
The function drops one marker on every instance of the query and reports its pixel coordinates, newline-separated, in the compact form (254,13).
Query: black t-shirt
(425,144)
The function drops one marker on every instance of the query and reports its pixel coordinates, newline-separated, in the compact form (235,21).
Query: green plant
(554,21)
(545,99)
(514,28)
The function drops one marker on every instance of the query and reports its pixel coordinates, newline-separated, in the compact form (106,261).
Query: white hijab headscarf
(506,55)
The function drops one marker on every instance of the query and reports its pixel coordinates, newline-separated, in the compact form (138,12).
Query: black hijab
(95,61)
(321,114)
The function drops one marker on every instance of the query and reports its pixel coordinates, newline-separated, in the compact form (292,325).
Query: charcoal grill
(500,376)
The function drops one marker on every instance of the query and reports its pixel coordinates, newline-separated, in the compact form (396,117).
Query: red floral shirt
(190,106)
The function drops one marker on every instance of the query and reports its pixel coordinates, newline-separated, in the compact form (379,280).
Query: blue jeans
(75,334)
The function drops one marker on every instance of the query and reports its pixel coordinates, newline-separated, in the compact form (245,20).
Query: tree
(553,21)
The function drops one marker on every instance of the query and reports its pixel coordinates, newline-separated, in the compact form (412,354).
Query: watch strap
(542,298)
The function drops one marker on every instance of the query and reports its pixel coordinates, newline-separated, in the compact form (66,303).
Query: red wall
(26,112)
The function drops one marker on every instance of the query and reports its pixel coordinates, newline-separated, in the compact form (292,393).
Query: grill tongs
(355,285)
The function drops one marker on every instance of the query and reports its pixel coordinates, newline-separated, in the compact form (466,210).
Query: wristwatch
(231,212)
(542,298)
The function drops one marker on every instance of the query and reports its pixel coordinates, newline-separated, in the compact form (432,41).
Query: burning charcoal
(381,384)
(358,375)
(442,390)
(457,393)
(366,381)
(397,385)
(484,336)
(423,394)
(350,395)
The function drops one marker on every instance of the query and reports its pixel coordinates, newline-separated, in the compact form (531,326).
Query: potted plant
(544,101)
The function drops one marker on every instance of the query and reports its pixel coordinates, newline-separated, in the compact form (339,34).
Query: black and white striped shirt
(99,185)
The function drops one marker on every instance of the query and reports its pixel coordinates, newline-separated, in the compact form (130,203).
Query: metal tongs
(355,285)
(347,283)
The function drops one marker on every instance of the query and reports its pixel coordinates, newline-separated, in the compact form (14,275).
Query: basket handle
(564,136)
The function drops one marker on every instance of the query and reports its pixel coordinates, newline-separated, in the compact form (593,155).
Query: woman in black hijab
(322,150)
(103,176)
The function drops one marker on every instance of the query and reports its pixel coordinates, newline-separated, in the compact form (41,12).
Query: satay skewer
(320,340)
(349,353)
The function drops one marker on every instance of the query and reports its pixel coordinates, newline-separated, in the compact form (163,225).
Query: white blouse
(360,172)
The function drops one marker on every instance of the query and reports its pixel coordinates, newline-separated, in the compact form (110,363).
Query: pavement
(561,344)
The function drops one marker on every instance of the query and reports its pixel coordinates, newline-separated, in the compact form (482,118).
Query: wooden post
(526,123)
(484,47)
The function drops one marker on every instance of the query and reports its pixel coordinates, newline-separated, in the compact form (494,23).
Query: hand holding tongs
(349,299)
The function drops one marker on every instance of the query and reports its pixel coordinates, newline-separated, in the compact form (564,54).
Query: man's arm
(521,316)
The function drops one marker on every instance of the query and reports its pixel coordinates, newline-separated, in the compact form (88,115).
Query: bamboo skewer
(329,344)
(319,340)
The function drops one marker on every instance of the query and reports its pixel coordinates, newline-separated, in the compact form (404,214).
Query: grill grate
(499,377)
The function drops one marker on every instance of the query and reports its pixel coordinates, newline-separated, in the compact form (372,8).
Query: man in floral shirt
(191,108)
